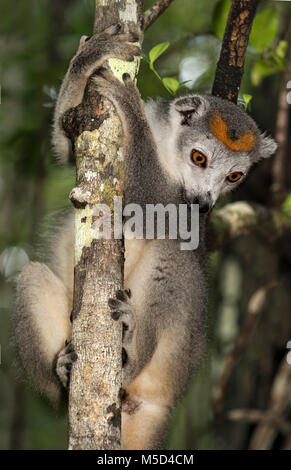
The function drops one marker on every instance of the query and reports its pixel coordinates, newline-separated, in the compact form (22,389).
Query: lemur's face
(216,145)
(208,168)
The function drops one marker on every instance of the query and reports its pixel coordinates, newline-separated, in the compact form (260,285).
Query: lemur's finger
(127,80)
(122,295)
(113,29)
(83,39)
(134,50)
(115,315)
(103,85)
(113,303)
(107,78)
(129,37)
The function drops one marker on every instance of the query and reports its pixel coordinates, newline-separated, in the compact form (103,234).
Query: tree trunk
(94,401)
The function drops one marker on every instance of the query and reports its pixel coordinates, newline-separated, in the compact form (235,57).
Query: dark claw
(74,356)
(122,393)
(124,357)
(115,315)
(128,292)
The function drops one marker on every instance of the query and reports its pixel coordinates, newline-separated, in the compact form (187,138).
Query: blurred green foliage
(37,41)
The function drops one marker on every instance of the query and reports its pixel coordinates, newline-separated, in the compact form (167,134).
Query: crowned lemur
(189,150)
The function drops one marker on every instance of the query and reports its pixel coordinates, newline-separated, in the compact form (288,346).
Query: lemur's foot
(65,360)
(122,309)
(112,43)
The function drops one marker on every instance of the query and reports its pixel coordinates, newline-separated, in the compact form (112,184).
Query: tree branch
(230,66)
(154,12)
(94,127)
(243,218)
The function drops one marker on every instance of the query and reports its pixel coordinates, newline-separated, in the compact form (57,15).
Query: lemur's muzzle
(204,201)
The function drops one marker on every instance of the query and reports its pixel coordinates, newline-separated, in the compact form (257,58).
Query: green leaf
(286,206)
(263,69)
(220,17)
(265,29)
(171,84)
(281,49)
(247,99)
(157,51)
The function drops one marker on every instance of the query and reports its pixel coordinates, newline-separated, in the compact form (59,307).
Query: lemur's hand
(95,50)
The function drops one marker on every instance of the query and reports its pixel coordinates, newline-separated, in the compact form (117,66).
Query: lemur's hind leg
(42,318)
(150,397)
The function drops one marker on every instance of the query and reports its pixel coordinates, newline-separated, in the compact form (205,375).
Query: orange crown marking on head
(219,128)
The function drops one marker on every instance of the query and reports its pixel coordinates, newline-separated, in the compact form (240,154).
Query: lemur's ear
(190,108)
(267,146)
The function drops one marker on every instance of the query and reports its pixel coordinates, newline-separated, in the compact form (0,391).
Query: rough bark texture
(230,66)
(94,402)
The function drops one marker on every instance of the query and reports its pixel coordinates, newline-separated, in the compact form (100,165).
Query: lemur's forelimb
(91,55)
(145,181)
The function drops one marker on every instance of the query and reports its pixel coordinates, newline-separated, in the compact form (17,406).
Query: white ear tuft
(268,146)
(191,107)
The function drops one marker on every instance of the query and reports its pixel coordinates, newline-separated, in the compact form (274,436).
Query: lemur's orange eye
(235,176)
(198,158)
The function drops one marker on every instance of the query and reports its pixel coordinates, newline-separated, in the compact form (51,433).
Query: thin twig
(255,307)
(154,12)
(230,66)
(261,416)
(265,433)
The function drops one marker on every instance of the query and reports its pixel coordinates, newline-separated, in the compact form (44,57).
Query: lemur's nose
(204,203)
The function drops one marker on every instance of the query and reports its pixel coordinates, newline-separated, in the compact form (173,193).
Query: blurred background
(240,398)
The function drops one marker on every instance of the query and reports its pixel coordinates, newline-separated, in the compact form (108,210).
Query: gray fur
(165,314)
